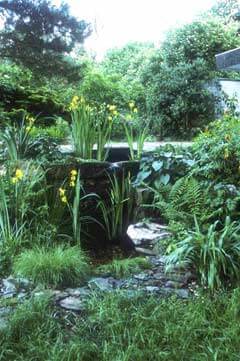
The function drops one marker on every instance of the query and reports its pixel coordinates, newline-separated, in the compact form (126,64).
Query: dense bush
(217,151)
(178,102)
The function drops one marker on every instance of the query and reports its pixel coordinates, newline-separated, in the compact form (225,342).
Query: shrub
(217,151)
(55,266)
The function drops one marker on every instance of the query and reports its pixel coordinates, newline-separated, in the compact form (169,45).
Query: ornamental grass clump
(58,266)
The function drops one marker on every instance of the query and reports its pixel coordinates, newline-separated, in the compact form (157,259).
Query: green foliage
(38,34)
(82,129)
(164,166)
(178,102)
(57,266)
(117,210)
(214,253)
(98,89)
(90,126)
(135,134)
(20,92)
(224,9)
(59,131)
(199,40)
(176,77)
(23,208)
(205,328)
(124,267)
(217,151)
(126,65)
(17,140)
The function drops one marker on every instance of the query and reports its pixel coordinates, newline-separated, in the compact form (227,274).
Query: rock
(183,277)
(72,303)
(100,284)
(141,277)
(145,251)
(158,261)
(78,292)
(13,285)
(173,284)
(152,289)
(59,295)
(21,295)
(159,276)
(147,233)
(183,293)
(9,286)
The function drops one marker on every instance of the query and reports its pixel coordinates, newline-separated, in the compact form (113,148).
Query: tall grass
(117,211)
(83,130)
(215,253)
(17,139)
(56,266)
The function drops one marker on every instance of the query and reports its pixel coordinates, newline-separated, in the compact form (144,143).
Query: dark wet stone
(145,251)
(173,284)
(102,284)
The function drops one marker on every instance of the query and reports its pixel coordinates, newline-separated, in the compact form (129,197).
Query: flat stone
(100,284)
(159,260)
(59,295)
(78,292)
(173,284)
(21,295)
(145,251)
(159,276)
(14,284)
(141,276)
(183,293)
(9,286)
(72,303)
(183,277)
(152,289)
(147,233)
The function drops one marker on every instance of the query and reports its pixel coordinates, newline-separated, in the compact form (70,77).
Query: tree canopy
(38,35)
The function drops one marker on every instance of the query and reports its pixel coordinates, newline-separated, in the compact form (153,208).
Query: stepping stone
(72,304)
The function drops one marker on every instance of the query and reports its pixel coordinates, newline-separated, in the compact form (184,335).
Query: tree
(38,35)
(200,39)
(225,10)
(126,65)
(178,102)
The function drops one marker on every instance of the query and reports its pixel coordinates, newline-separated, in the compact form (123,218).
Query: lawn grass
(119,328)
